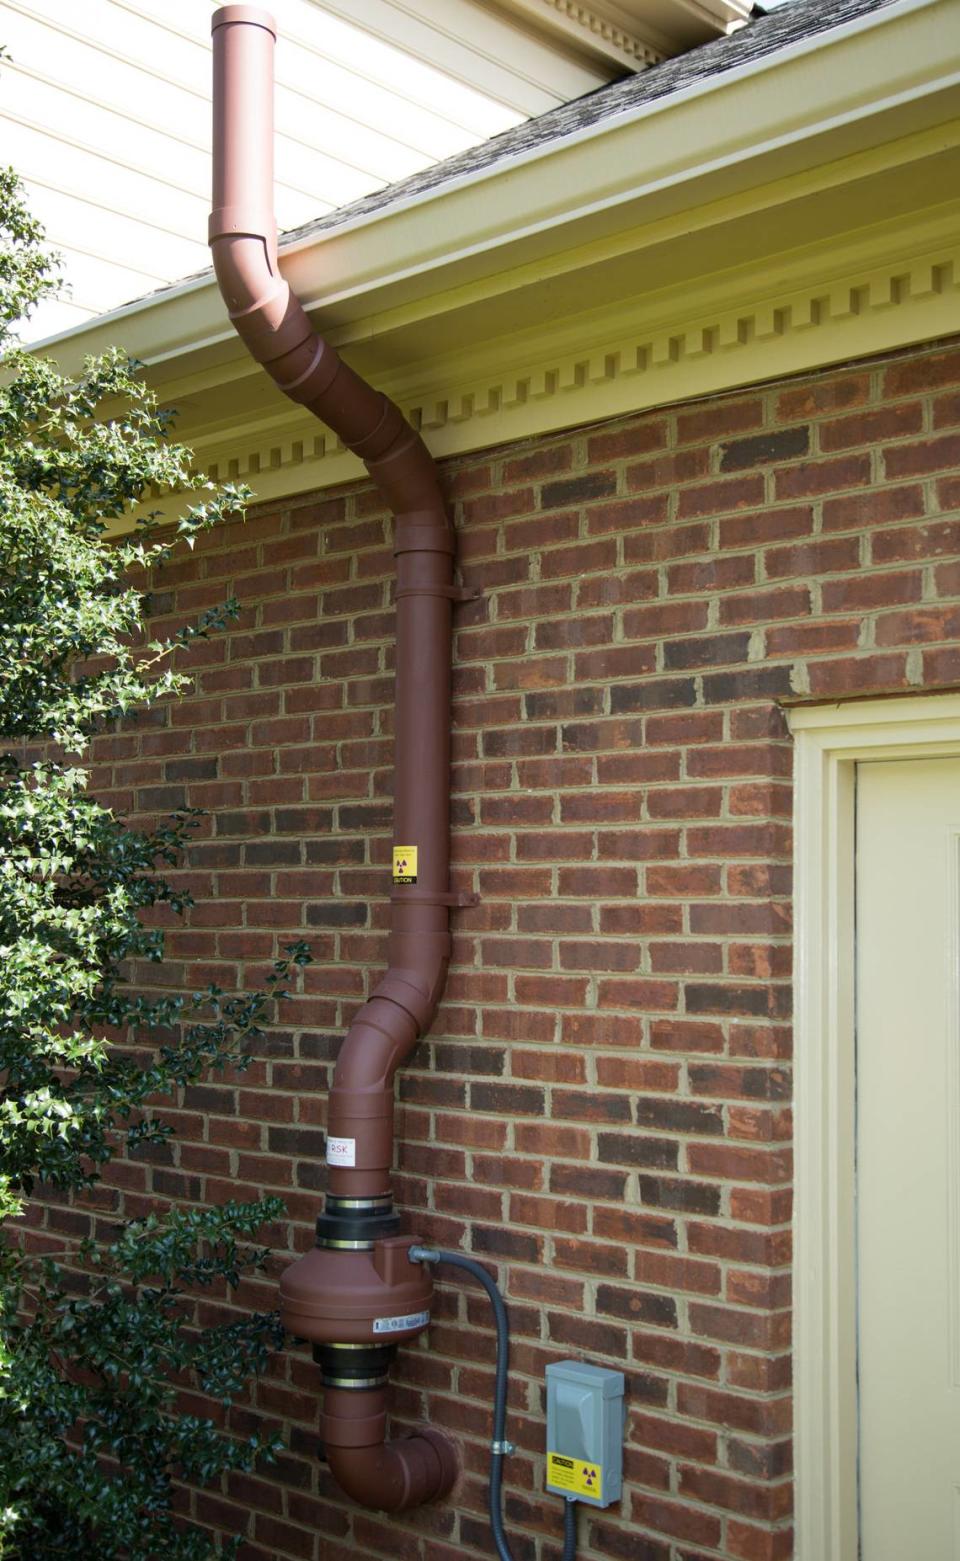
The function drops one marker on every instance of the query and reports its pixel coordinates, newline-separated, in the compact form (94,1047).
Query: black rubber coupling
(350,1223)
(356,1366)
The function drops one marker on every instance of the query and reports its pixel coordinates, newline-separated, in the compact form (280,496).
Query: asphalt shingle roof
(765,34)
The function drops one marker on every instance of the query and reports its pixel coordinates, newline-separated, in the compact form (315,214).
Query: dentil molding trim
(874,310)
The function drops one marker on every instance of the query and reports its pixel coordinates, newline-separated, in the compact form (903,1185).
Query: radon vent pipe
(357,1293)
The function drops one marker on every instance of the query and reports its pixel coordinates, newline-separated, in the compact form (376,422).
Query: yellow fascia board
(498,259)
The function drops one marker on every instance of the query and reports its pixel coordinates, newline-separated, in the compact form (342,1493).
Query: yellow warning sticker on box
(571,1474)
(404,864)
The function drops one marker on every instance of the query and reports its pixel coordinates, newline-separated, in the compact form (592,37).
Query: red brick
(931,541)
(642,509)
(824,556)
(748,1543)
(545,461)
(668,470)
(636,438)
(868,428)
(922,371)
(657,545)
(873,590)
(720,1490)
(723,416)
(858,674)
(728,493)
(807,479)
(672,1437)
(579,559)
(946,410)
(682,1522)
(693,1035)
(872,507)
(923,624)
(804,639)
(775,525)
(712,574)
(788,601)
(829,392)
(926,455)
(664,618)
(541,531)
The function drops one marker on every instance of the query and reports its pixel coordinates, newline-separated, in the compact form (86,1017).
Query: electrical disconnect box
(585,1413)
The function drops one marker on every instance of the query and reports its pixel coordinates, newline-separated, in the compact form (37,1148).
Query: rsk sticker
(401,1324)
(341,1151)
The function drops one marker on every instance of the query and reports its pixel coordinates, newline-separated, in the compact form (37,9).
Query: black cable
(569,1529)
(499,1445)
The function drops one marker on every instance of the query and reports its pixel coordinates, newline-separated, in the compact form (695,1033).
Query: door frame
(829,742)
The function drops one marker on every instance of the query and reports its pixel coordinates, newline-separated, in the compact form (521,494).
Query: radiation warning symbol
(405,864)
(574,1477)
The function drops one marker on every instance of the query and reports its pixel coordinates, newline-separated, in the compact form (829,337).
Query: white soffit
(633,33)
(105,112)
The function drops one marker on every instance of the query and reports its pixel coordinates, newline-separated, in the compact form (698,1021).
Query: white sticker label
(400,1324)
(341,1151)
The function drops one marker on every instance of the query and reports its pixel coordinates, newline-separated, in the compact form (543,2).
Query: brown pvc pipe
(277,332)
(403,1473)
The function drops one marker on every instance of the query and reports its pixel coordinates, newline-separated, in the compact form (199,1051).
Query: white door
(908,1159)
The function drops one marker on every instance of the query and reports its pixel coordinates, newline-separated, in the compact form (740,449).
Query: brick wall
(602,1112)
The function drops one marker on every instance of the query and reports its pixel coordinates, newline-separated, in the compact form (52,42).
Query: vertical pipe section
(319,1297)
(277,332)
(360,1119)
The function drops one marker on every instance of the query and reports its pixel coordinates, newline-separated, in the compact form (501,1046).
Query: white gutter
(585,183)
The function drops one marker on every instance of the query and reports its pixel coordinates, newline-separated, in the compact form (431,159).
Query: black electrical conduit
(499,1445)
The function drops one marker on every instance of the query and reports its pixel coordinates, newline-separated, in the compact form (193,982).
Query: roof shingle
(765,35)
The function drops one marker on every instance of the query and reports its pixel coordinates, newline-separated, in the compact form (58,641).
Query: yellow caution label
(571,1474)
(404,864)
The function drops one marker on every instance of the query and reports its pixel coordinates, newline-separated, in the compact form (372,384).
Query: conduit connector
(357,1294)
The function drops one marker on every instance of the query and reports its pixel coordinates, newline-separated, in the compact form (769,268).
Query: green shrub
(97,1348)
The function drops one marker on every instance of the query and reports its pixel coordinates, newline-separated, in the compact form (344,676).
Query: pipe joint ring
(241,221)
(329,1244)
(369,443)
(423,531)
(252,15)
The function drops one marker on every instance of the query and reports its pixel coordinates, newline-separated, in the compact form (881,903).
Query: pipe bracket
(459,898)
(454,593)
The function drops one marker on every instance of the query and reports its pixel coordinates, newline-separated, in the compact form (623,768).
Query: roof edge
(570,188)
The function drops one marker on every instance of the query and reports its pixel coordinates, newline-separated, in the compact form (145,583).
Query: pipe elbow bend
(245,276)
(269,318)
(395,1476)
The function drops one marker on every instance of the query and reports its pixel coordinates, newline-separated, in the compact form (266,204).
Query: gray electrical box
(585,1413)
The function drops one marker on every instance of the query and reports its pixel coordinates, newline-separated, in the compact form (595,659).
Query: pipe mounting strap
(458,898)
(454,593)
